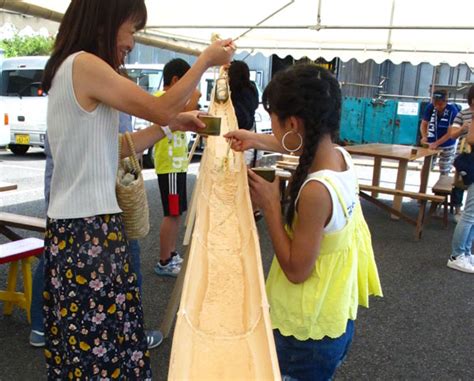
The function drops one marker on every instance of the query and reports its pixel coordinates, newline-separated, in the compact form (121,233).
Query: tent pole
(318,20)
(433,81)
(389,39)
(265,19)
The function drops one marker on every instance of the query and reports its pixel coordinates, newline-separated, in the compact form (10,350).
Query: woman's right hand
(187,121)
(241,140)
(219,53)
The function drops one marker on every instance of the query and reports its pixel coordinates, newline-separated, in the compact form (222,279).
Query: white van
(150,78)
(4,129)
(24,105)
(23,102)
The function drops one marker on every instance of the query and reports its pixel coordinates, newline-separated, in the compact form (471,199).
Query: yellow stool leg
(11,287)
(27,285)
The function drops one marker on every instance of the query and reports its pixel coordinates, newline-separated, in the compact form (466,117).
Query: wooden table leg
(420,220)
(401,177)
(425,173)
(376,174)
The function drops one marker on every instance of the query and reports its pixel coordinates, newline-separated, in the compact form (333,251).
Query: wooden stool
(14,252)
(443,187)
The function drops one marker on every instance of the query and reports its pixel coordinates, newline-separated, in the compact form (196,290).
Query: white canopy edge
(408,41)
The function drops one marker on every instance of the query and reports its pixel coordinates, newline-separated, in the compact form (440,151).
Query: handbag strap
(133,157)
(120,149)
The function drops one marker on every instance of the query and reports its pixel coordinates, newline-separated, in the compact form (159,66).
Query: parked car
(24,105)
(4,130)
(23,102)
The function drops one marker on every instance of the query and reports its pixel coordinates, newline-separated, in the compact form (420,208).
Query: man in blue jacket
(437,118)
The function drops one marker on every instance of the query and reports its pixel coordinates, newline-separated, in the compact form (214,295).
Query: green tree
(27,46)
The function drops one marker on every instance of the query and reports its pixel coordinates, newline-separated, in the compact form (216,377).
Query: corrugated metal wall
(362,79)
(359,80)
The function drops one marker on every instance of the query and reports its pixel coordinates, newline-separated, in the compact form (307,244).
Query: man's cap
(440,95)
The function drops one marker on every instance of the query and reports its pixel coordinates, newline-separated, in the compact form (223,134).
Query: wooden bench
(443,187)
(14,252)
(11,220)
(422,197)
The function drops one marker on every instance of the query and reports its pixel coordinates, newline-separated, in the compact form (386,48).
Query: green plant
(27,46)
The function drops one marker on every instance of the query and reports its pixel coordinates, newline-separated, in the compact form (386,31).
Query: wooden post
(193,148)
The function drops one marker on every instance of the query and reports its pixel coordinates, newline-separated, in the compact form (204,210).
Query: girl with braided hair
(324,264)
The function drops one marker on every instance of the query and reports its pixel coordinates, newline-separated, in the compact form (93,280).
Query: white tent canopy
(433,31)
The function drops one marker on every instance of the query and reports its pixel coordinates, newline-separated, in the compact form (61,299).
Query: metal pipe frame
(361,85)
(316,27)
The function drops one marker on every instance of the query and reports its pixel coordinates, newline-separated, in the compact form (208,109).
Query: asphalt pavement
(421,330)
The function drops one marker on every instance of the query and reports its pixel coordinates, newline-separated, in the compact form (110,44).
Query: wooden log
(223,312)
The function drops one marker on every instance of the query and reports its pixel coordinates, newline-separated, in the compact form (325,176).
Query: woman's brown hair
(92,26)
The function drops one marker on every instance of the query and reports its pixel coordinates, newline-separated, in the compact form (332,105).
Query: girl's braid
(312,94)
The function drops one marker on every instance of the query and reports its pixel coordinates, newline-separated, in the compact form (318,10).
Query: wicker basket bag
(131,193)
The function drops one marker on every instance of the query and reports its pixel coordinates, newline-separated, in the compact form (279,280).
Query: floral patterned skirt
(93,312)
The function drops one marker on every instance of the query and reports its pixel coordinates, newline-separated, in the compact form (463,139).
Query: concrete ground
(421,330)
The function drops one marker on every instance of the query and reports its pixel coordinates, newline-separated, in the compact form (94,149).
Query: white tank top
(347,184)
(84,147)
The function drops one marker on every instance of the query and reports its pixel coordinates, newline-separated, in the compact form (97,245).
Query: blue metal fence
(364,120)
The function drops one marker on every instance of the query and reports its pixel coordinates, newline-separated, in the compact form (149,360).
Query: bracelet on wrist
(167,131)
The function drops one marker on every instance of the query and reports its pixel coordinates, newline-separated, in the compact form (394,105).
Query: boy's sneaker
(153,338)
(170,269)
(37,339)
(176,258)
(461,263)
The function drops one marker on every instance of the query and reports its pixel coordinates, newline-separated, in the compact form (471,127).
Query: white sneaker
(457,216)
(176,258)
(461,263)
(471,259)
(170,269)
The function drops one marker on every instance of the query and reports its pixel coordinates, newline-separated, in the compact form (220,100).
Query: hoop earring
(291,151)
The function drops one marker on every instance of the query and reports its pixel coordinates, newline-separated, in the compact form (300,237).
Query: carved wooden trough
(223,329)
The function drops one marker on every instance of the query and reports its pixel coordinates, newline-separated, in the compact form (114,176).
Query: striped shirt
(462,117)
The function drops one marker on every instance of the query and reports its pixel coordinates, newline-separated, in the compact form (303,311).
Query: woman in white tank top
(93,313)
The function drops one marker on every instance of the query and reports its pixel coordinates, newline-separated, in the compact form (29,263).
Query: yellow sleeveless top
(344,276)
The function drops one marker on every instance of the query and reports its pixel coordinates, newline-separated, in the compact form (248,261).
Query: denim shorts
(312,359)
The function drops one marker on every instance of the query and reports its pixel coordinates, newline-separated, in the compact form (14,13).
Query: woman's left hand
(264,194)
(187,121)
